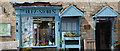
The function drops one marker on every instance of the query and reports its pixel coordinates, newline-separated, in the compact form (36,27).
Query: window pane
(74,26)
(27,31)
(64,26)
(37,31)
(69,27)
(44,32)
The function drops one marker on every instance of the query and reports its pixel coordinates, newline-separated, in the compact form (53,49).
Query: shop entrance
(37,24)
(103,35)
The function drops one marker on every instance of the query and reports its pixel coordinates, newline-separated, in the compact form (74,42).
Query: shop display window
(38,31)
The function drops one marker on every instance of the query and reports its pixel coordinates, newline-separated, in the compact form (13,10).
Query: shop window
(69,25)
(86,27)
(37,31)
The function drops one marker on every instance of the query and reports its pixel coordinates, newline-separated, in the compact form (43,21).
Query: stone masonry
(7,15)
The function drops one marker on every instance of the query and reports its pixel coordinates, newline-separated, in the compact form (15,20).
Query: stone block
(8,45)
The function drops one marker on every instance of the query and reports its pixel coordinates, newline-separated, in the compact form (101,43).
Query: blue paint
(38,7)
(80,20)
(106,12)
(57,32)
(72,38)
(39,47)
(37,11)
(38,15)
(18,28)
(72,45)
(32,11)
(112,46)
(79,24)
(71,11)
(76,21)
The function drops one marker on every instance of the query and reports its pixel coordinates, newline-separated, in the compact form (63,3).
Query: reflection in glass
(37,31)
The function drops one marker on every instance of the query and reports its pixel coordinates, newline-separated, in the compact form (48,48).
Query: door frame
(112,30)
(100,25)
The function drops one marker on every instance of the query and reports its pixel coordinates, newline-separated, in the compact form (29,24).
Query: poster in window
(5,29)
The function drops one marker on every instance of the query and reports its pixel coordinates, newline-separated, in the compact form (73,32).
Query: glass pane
(69,27)
(74,26)
(64,26)
(37,31)
(27,31)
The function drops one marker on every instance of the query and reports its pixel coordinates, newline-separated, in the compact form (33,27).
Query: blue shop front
(104,21)
(42,26)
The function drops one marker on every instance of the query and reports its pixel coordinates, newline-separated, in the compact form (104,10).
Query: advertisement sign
(5,29)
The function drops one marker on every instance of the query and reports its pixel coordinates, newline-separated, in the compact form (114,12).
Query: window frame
(39,46)
(69,20)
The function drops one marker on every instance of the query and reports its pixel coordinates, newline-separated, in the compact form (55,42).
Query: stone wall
(8,45)
(118,24)
(7,16)
(89,8)
(59,0)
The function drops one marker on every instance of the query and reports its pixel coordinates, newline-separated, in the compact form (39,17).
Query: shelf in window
(72,46)
(40,46)
(71,38)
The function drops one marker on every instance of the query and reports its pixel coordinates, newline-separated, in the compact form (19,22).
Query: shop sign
(38,11)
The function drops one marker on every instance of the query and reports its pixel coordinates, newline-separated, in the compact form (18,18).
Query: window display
(27,31)
(38,31)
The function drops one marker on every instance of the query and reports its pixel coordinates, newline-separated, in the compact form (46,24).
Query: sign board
(5,29)
(36,11)
(44,12)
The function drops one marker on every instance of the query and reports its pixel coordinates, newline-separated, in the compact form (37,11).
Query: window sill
(71,38)
(40,47)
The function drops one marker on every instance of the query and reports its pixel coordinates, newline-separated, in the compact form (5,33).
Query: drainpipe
(95,19)
(112,46)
